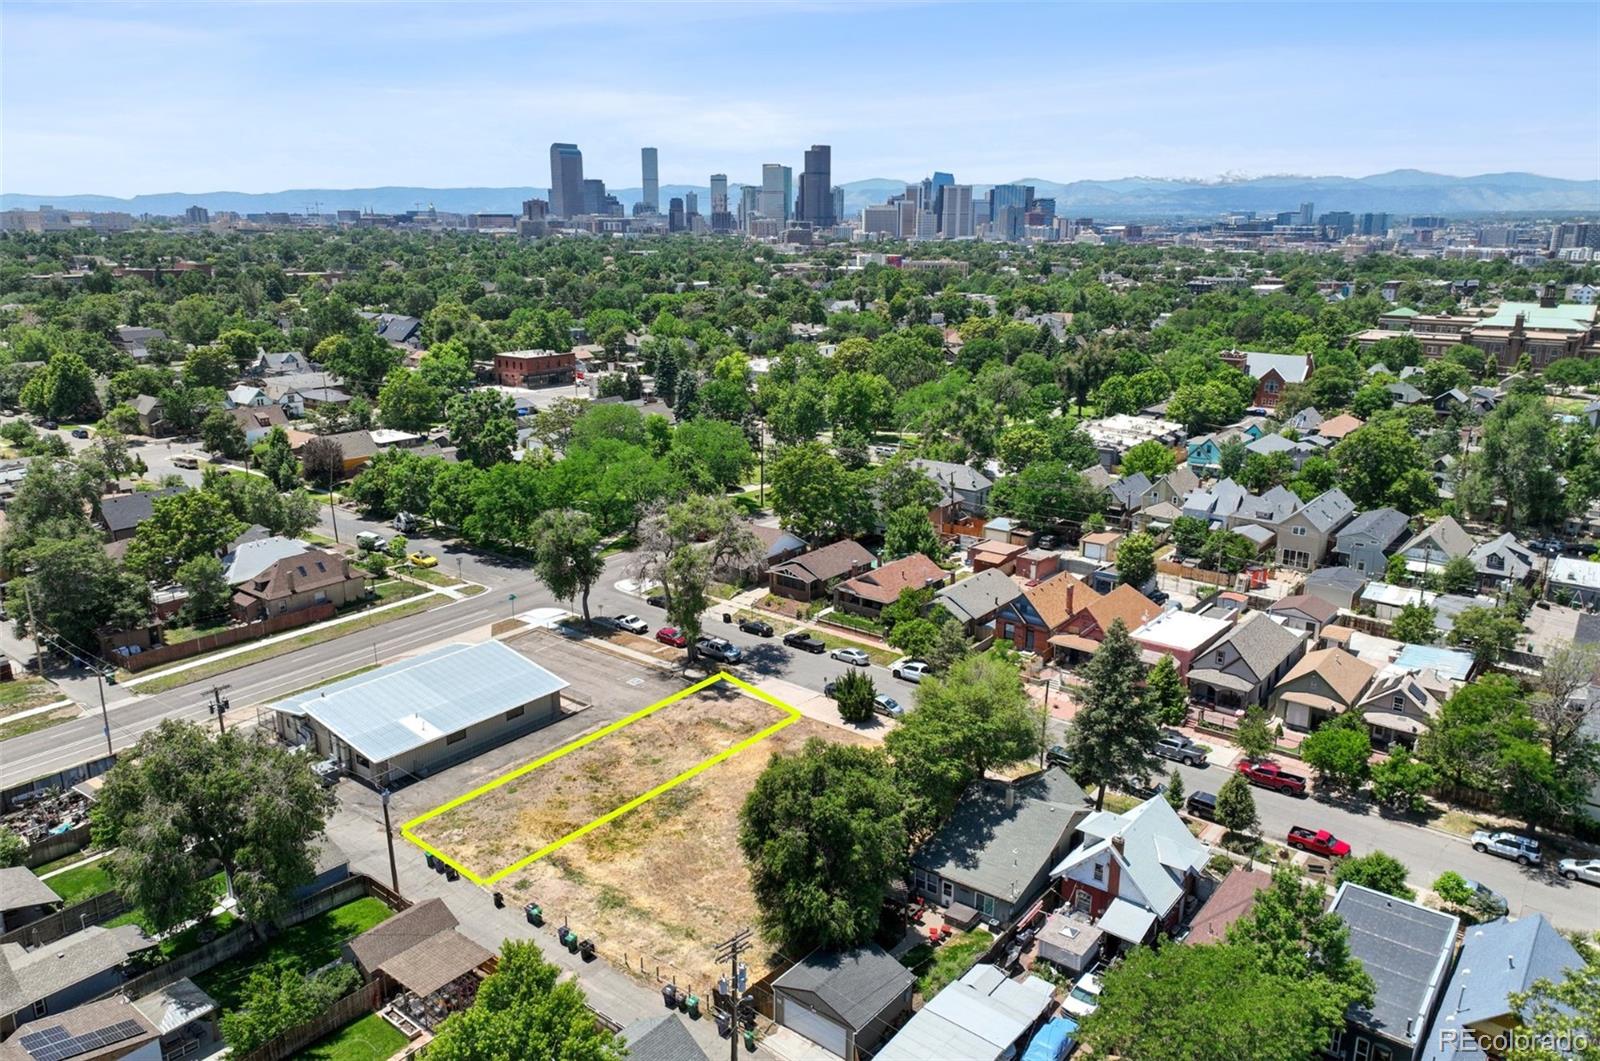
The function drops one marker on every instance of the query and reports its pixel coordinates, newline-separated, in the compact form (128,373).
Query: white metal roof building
(981,1017)
(423,713)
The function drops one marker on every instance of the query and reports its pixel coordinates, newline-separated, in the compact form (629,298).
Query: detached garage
(844,1002)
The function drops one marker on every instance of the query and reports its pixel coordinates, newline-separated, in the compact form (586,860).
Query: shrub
(855,693)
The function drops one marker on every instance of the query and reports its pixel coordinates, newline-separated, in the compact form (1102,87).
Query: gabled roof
(126,511)
(20,888)
(1233,899)
(662,1038)
(883,585)
(1180,480)
(1380,526)
(1267,445)
(827,563)
(1125,603)
(1274,506)
(1407,394)
(998,849)
(1157,849)
(396,935)
(1343,671)
(306,570)
(979,596)
(1313,607)
(353,444)
(953,476)
(251,558)
(144,404)
(253,417)
(28,975)
(1058,598)
(1130,488)
(1340,426)
(1345,577)
(1518,559)
(1262,644)
(777,540)
(1292,368)
(1445,534)
(1406,949)
(1328,509)
(1305,419)
(857,984)
(1498,959)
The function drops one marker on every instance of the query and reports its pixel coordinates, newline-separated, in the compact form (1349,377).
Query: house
(1036,565)
(1325,683)
(1041,611)
(171,1022)
(395,935)
(1502,562)
(779,545)
(245,396)
(985,554)
(1115,435)
(1405,393)
(1339,586)
(50,980)
(1304,537)
(1272,372)
(1302,611)
(397,329)
(313,576)
(984,1016)
(662,1038)
(1181,635)
(1156,518)
(1305,421)
(355,447)
(813,575)
(1340,426)
(421,714)
(992,858)
(872,591)
(1498,959)
(1217,503)
(24,898)
(1204,453)
(963,488)
(257,421)
(1436,545)
(534,368)
(1176,485)
(312,397)
(1271,445)
(1451,664)
(1387,600)
(121,514)
(1367,540)
(1406,949)
(1400,702)
(1134,872)
(1083,632)
(1101,546)
(1129,494)
(287,363)
(845,1002)
(135,341)
(152,416)
(1233,899)
(1578,579)
(975,601)
(249,556)
(1240,669)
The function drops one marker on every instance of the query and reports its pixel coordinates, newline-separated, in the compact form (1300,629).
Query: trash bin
(749,1038)
(669,995)
(692,1006)
(499,901)
(586,948)
(724,1023)
(535,914)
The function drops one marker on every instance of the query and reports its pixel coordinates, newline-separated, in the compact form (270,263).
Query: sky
(128,98)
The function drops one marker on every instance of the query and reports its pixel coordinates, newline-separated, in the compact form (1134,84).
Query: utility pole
(333,516)
(728,951)
(1044,723)
(33,628)
(105,719)
(388,833)
(219,705)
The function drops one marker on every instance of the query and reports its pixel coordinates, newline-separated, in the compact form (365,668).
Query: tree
(408,402)
(1211,1001)
(208,591)
(525,1008)
(208,366)
(1110,737)
(711,455)
(447,367)
(816,496)
(1379,871)
(566,555)
(1189,535)
(1292,932)
(973,716)
(483,426)
(76,589)
(13,849)
(1165,694)
(1254,736)
(1414,625)
(1563,714)
(61,389)
(183,802)
(1452,888)
(1136,559)
(1150,457)
(221,433)
(181,527)
(1460,575)
(682,545)
(1174,792)
(122,419)
(856,695)
(281,996)
(1374,460)
(1491,633)
(1236,805)
(1338,751)
(195,320)
(909,530)
(1401,781)
(322,461)
(275,460)
(824,833)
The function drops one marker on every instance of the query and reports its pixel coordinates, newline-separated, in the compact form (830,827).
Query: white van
(372,542)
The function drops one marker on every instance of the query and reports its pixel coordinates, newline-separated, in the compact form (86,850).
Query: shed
(844,1001)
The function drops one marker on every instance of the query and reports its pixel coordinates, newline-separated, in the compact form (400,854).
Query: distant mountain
(1129,198)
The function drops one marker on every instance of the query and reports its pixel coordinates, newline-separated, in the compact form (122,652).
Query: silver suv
(1521,849)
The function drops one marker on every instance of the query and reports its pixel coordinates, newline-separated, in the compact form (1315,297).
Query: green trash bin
(692,1006)
(749,1038)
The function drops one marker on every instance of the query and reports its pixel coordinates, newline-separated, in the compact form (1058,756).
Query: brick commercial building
(534,368)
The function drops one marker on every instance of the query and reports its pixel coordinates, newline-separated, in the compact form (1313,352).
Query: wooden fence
(1196,574)
(57,845)
(363,1000)
(233,635)
(95,910)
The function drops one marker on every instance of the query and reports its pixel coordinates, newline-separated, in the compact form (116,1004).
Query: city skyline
(1195,93)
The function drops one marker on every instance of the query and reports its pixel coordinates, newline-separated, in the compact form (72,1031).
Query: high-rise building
(749,204)
(197,215)
(651,197)
(788,193)
(775,191)
(1306,210)
(881,220)
(837,196)
(691,203)
(1337,223)
(1374,224)
(675,222)
(719,193)
(955,217)
(815,205)
(566,180)
(594,196)
(1575,234)
(1047,207)
(1004,195)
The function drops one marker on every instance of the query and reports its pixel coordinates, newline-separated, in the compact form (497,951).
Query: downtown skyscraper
(815,205)
(566,180)
(650,200)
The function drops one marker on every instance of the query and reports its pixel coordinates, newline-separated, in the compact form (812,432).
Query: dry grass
(664,882)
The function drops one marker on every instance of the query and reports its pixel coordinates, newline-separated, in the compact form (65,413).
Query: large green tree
(181,527)
(483,426)
(525,1009)
(1109,739)
(566,555)
(815,495)
(408,402)
(64,387)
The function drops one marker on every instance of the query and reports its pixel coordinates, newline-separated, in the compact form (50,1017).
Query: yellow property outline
(791,716)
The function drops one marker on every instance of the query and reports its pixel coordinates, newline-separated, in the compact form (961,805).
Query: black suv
(804,642)
(1202,805)
(756,626)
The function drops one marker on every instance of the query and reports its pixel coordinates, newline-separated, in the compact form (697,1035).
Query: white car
(633,624)
(911,670)
(1084,998)
(1584,869)
(853,656)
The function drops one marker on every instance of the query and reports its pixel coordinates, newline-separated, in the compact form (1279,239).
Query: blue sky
(126,98)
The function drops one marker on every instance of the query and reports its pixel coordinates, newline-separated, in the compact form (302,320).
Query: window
(1099,872)
(1272,386)
(515,712)
(1082,901)
(1221,657)
(1382,1053)
(40,1008)
(1399,702)
(361,760)
(1298,532)
(1363,1050)
(1337,1045)
(458,735)
(986,904)
(1497,561)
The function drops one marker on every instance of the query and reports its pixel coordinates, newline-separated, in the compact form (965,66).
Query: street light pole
(333,516)
(105,719)
(388,834)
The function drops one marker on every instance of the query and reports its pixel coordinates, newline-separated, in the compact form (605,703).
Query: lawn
(431,575)
(369,1039)
(23,692)
(883,657)
(308,945)
(43,720)
(174,634)
(950,960)
(81,883)
(854,622)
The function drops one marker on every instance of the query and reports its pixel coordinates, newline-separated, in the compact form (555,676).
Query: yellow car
(423,560)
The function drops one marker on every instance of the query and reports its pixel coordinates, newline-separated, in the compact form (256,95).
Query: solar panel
(53,1044)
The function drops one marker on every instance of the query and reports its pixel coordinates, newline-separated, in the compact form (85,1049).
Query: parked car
(853,656)
(1584,869)
(830,687)
(633,624)
(911,670)
(1520,849)
(1269,774)
(1318,842)
(1180,749)
(1486,898)
(717,648)
(80,432)
(50,425)
(656,600)
(1202,805)
(756,626)
(1084,998)
(887,705)
(669,635)
(604,622)
(186,460)
(422,559)
(371,542)
(804,642)
(1057,756)
(405,522)
(1547,546)
(1157,596)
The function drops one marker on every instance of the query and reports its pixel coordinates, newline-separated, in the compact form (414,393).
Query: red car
(1269,774)
(668,635)
(1318,842)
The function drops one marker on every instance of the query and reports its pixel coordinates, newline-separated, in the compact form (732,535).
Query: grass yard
(854,622)
(389,592)
(43,720)
(431,575)
(81,883)
(369,1039)
(948,960)
(24,692)
(308,945)
(176,634)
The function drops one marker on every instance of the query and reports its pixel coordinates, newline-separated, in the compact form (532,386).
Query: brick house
(1083,632)
(814,574)
(534,368)
(314,576)
(872,591)
(1041,612)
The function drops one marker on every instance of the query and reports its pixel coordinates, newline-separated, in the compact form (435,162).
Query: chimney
(1119,844)
(1547,296)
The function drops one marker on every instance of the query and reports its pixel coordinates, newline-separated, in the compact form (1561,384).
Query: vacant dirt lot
(665,881)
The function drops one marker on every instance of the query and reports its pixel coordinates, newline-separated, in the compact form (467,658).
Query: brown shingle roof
(1232,900)
(828,562)
(308,570)
(401,932)
(883,585)
(1339,426)
(430,964)
(1317,608)
(1125,603)
(1058,598)
(1346,674)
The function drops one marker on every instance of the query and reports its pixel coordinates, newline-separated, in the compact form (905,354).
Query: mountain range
(1405,191)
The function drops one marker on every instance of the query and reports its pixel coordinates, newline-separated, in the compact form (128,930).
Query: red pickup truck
(1269,774)
(1318,842)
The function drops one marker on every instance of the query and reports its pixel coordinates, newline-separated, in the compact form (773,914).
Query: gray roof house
(1217,504)
(1497,960)
(1406,394)
(1504,561)
(1267,510)
(1435,545)
(1268,445)
(1339,586)
(1406,949)
(1176,485)
(993,857)
(846,1001)
(1304,611)
(74,969)
(662,1038)
(23,897)
(1241,669)
(1131,492)
(961,485)
(1307,419)
(1304,537)
(974,601)
(984,1016)
(1366,541)
(122,514)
